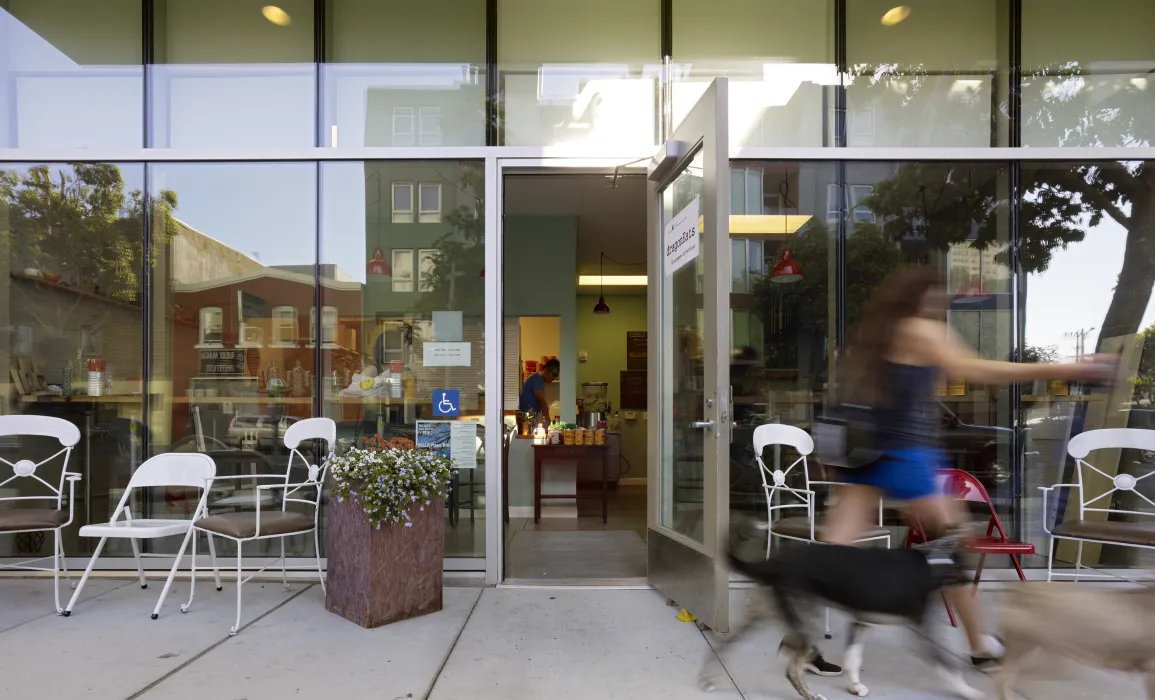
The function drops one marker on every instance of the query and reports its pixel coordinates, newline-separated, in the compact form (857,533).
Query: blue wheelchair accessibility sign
(446,403)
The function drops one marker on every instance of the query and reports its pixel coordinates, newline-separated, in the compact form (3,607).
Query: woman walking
(899,353)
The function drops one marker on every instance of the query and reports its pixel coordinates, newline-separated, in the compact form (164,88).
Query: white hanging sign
(680,238)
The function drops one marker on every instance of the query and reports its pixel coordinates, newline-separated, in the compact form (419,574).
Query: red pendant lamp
(378,266)
(786,270)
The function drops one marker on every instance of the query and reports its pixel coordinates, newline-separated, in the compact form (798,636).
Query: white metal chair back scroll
(182,469)
(279,523)
(50,514)
(1096,492)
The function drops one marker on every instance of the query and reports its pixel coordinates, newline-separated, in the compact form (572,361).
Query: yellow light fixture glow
(276,15)
(612,281)
(895,15)
(766,224)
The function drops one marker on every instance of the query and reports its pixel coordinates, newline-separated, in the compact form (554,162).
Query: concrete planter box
(381,576)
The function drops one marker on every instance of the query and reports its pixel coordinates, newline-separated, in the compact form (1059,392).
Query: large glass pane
(954,217)
(681,495)
(72,74)
(71,258)
(925,73)
(1089,269)
(231,305)
(395,346)
(783,327)
(1087,73)
(232,74)
(779,57)
(579,73)
(404,74)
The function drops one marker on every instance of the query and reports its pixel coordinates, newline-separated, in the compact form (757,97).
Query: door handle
(702,425)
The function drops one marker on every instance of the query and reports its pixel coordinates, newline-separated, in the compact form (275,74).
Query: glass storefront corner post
(494,424)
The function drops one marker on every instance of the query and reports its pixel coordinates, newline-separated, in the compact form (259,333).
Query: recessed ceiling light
(276,15)
(895,15)
(612,281)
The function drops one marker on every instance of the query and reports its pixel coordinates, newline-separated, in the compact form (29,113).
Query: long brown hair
(900,297)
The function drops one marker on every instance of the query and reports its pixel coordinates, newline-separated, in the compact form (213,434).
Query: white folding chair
(251,526)
(15,521)
(186,469)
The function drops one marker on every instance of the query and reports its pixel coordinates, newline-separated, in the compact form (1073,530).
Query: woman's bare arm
(950,352)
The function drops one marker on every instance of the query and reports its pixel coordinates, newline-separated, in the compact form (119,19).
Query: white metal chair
(775,483)
(186,469)
(1097,500)
(15,521)
(257,525)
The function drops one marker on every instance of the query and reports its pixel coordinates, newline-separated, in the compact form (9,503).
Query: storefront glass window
(954,217)
(781,332)
(408,74)
(579,73)
(232,357)
(926,73)
(232,74)
(72,74)
(1088,273)
(408,356)
(779,57)
(71,246)
(1088,73)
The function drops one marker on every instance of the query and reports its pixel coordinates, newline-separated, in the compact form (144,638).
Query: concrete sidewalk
(499,644)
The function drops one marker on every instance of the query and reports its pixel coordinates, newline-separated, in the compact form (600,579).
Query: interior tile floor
(561,549)
(486,644)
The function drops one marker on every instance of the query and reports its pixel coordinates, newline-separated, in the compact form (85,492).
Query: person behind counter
(533,391)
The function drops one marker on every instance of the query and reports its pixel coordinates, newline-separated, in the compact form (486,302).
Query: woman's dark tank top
(907,416)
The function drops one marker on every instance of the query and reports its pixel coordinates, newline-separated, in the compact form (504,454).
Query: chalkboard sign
(633,390)
(222,363)
(636,345)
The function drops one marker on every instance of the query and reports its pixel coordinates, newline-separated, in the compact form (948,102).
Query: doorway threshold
(578,583)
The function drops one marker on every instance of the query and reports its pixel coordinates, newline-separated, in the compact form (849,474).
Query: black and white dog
(874,586)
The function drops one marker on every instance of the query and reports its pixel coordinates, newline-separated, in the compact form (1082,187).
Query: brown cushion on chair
(1141,534)
(800,527)
(32,519)
(244,525)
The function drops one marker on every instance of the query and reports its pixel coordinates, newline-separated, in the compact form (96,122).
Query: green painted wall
(603,338)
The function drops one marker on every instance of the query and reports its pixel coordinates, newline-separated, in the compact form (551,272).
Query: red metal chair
(965,487)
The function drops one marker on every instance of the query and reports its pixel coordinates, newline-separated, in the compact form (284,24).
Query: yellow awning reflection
(766,224)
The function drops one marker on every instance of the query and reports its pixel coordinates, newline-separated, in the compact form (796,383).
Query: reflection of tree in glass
(1065,104)
(79,223)
(456,276)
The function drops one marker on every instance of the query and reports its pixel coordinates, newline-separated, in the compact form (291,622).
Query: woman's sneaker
(817,664)
(821,667)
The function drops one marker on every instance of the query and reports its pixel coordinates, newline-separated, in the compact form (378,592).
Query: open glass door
(689,430)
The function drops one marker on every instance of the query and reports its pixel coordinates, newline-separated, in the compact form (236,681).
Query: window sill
(284,346)
(209,346)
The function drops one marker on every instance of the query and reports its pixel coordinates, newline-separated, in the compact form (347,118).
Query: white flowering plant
(389,480)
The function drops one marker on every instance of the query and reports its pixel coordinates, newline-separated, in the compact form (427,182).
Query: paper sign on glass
(446,355)
(680,239)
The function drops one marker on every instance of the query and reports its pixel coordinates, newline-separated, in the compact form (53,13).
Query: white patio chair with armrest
(258,524)
(188,469)
(1140,535)
(15,521)
(800,528)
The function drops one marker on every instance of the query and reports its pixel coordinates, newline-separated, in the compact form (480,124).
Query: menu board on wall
(633,390)
(636,347)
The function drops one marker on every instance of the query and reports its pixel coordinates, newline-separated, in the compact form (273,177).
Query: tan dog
(1104,628)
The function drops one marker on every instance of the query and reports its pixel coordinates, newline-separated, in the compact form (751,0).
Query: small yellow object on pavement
(686,616)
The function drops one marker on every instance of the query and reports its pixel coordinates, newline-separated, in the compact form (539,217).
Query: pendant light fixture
(602,308)
(786,270)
